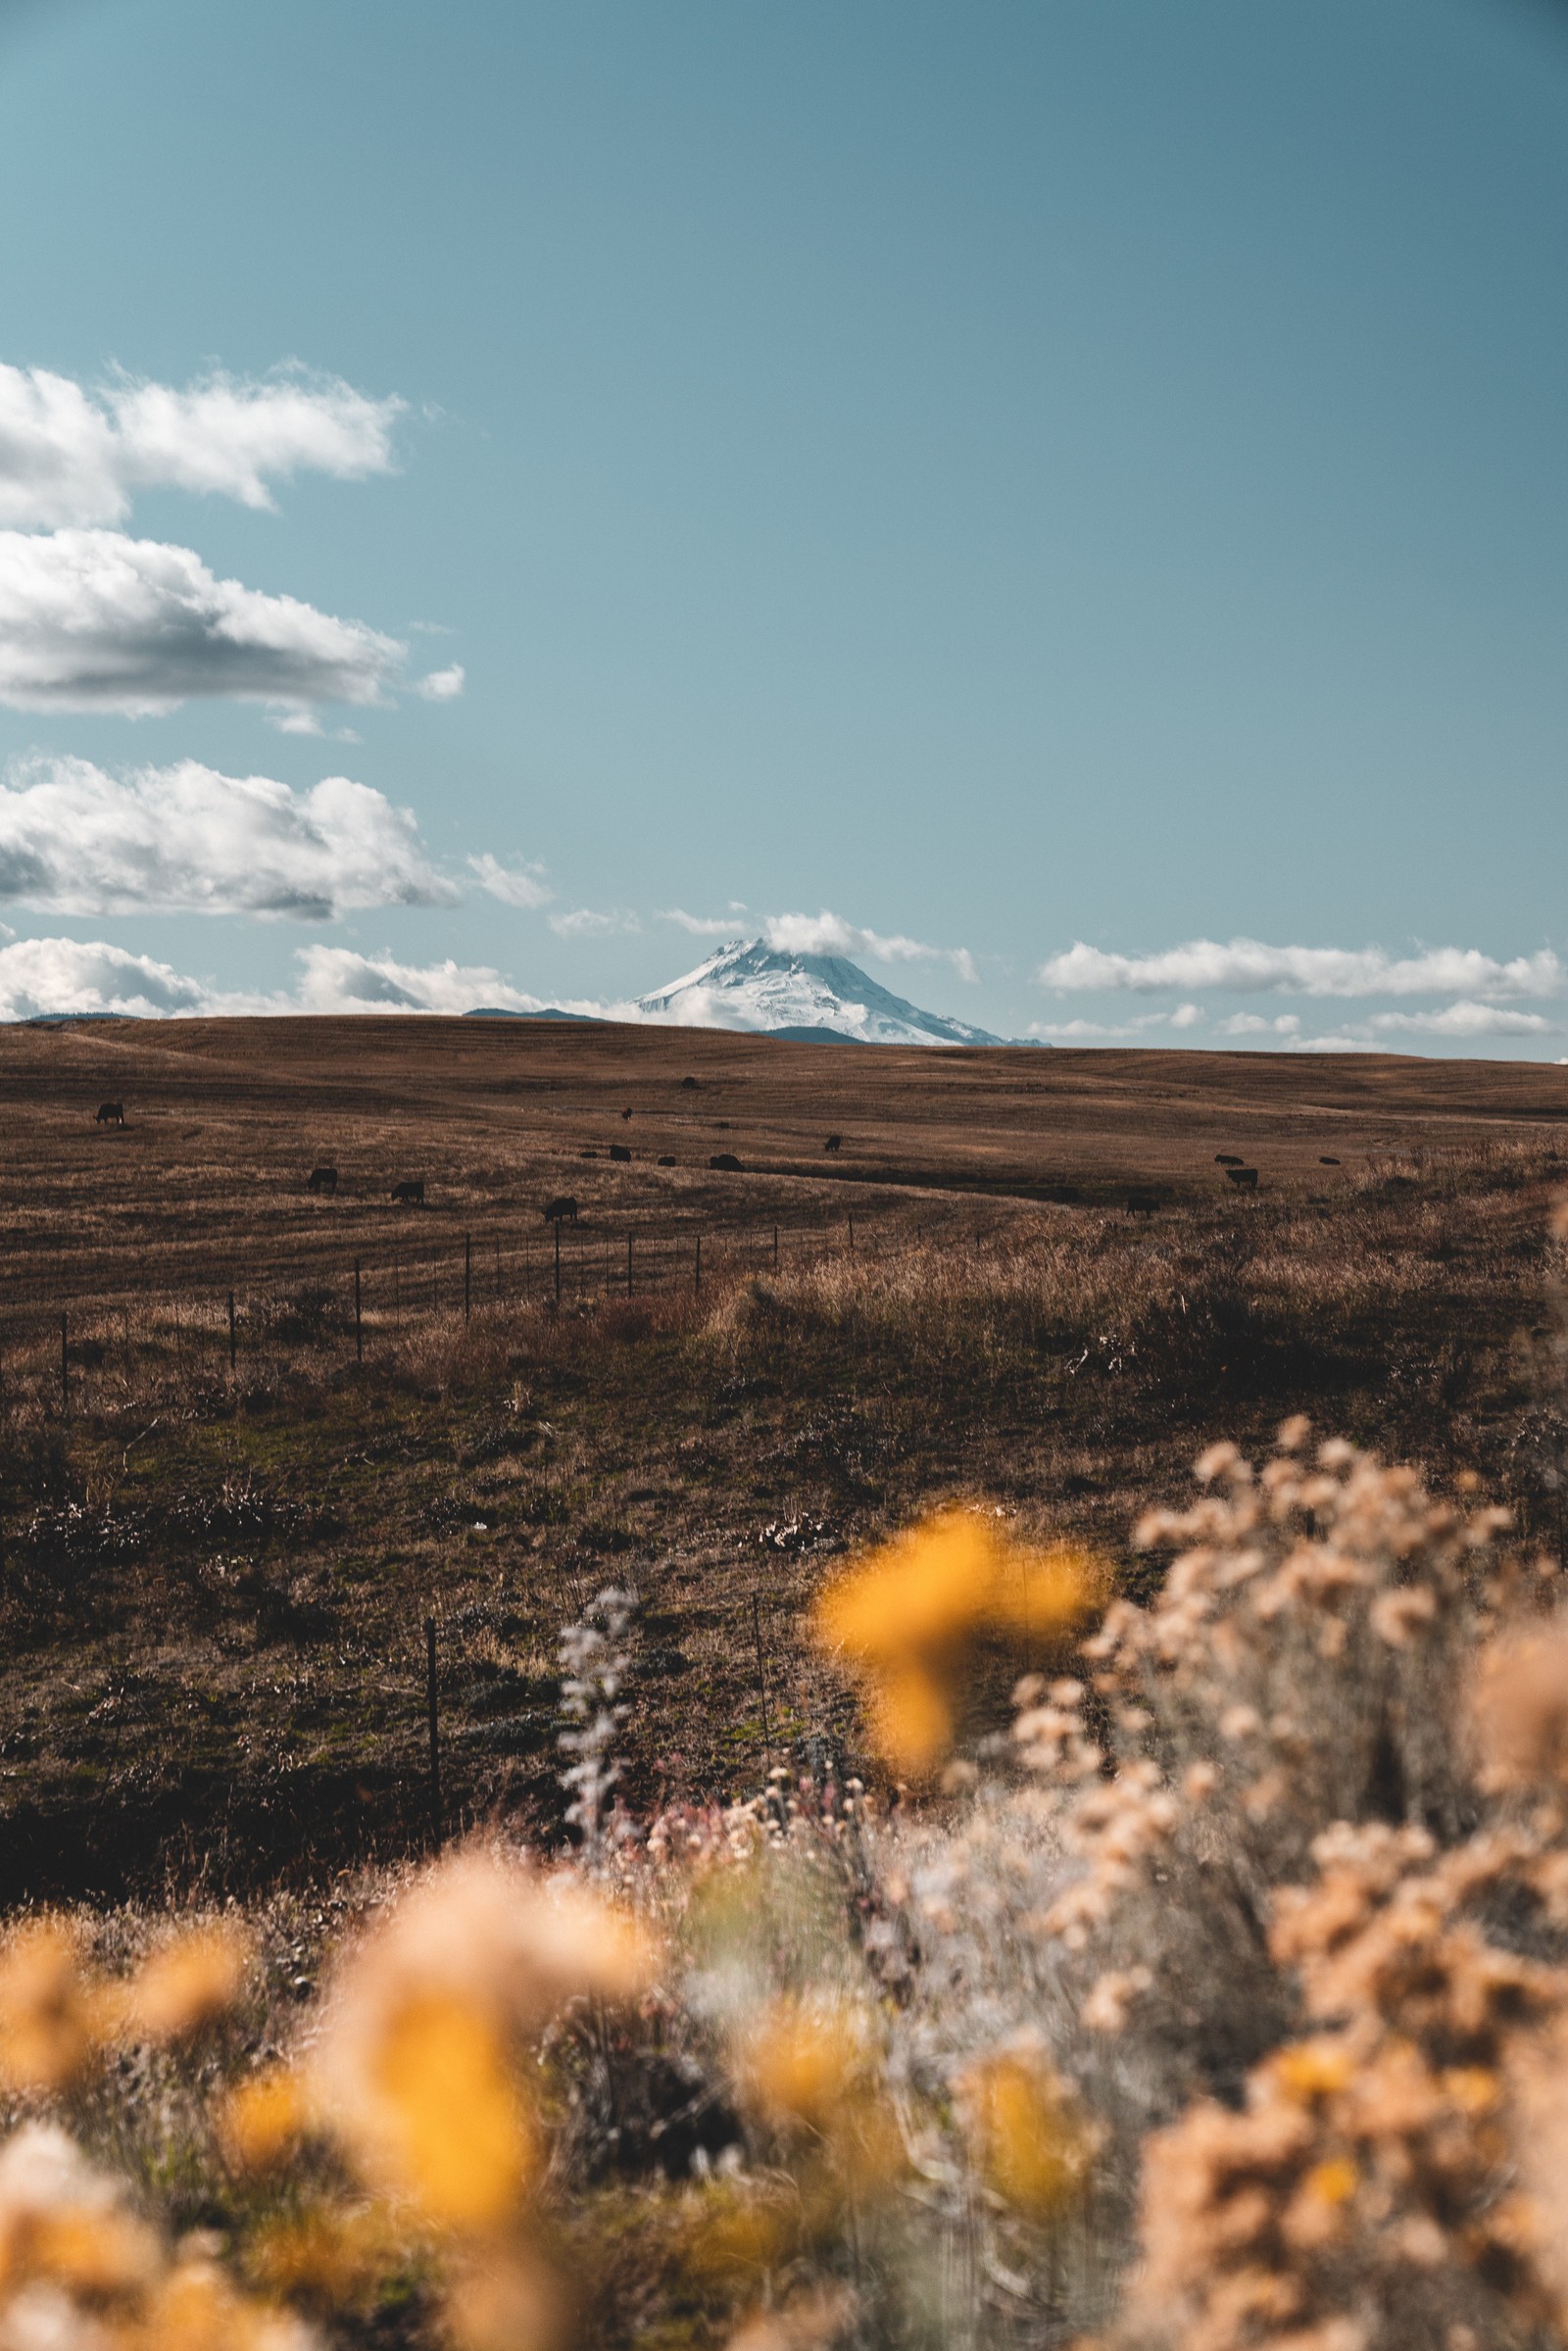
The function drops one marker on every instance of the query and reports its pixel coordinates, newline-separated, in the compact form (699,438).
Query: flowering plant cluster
(1221,2006)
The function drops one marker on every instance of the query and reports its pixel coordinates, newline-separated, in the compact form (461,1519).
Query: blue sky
(995,479)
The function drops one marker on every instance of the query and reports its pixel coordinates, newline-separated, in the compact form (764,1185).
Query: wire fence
(97,1315)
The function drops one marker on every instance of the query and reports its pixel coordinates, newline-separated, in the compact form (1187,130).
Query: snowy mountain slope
(748,985)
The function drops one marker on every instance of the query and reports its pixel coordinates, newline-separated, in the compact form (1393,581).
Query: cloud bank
(92,620)
(74,457)
(1248,966)
(521,886)
(185,838)
(39,977)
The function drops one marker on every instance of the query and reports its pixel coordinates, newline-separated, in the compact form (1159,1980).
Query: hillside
(215,1579)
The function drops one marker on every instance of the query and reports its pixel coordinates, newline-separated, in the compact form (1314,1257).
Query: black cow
(726,1163)
(110,1114)
(1143,1203)
(323,1179)
(411,1192)
(1246,1177)
(1328,1163)
(667,1158)
(618,1150)
(562,1209)
(689,1084)
(1226,1160)
(626,1113)
(833,1143)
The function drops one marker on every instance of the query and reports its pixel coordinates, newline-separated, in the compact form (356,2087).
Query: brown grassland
(998,1902)
(215,1581)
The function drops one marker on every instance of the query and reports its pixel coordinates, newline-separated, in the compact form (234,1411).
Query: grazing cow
(626,1113)
(1226,1160)
(833,1143)
(411,1192)
(110,1114)
(690,1083)
(562,1209)
(618,1150)
(1246,1177)
(1328,1163)
(726,1161)
(323,1179)
(667,1158)
(1143,1203)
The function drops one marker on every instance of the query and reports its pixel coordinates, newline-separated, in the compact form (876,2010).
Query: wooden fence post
(761,1678)
(435,1734)
(359,1327)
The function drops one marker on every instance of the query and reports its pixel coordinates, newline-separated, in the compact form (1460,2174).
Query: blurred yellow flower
(264,2117)
(413,2070)
(193,1979)
(52,2018)
(453,2133)
(1032,2146)
(799,2066)
(1333,2182)
(906,1614)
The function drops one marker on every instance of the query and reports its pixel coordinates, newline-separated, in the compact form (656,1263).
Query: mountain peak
(746,984)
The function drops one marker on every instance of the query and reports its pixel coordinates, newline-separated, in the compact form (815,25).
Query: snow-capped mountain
(748,985)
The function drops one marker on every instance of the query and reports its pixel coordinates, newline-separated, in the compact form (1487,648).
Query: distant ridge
(765,990)
(505,1012)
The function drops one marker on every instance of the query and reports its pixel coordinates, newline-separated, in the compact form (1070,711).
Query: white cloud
(59,975)
(443,685)
(70,455)
(704,926)
(584,923)
(1070,1032)
(1254,1024)
(1249,966)
(91,621)
(1466,1020)
(74,840)
(514,885)
(335,979)
(822,934)
(828,934)
(1185,1017)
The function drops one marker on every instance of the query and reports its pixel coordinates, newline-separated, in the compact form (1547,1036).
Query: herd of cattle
(410,1192)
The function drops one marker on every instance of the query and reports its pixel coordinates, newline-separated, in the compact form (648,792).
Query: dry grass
(215,1586)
